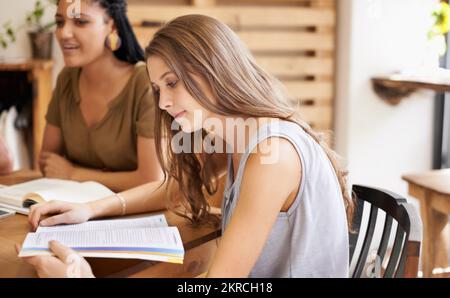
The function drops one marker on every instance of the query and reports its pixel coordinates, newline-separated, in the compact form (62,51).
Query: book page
(13,195)
(122,238)
(17,209)
(75,192)
(152,221)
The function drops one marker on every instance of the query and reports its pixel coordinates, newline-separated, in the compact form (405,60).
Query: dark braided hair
(130,51)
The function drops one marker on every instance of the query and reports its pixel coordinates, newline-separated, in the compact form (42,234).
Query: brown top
(438,180)
(111,144)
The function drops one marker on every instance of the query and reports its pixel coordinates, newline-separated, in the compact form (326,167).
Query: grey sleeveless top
(311,238)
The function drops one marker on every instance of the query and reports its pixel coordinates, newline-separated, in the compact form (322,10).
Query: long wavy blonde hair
(201,45)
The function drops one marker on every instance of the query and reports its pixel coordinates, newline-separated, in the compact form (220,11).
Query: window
(441,154)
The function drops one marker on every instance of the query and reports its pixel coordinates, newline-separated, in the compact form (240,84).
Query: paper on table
(123,238)
(148,238)
(153,221)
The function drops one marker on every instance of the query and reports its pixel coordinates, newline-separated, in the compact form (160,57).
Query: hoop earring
(113,42)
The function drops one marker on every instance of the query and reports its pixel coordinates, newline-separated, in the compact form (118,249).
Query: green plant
(33,22)
(34,17)
(7,34)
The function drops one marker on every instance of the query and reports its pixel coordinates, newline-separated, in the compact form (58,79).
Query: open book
(21,196)
(147,238)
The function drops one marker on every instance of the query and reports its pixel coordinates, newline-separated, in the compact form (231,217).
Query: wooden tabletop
(437,180)
(14,229)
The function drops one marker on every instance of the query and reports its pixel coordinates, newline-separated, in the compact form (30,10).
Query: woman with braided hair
(100,119)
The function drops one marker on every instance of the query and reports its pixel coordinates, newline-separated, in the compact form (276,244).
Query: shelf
(27,65)
(39,75)
(393,88)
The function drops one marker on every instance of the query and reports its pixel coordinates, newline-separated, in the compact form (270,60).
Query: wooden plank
(203,2)
(440,202)
(438,234)
(238,16)
(304,3)
(323,3)
(41,100)
(144,34)
(320,118)
(264,41)
(299,103)
(270,34)
(325,30)
(309,90)
(434,180)
(25,65)
(296,66)
(321,114)
(416,191)
(271,41)
(327,128)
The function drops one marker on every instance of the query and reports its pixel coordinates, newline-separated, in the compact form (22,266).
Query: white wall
(382,142)
(15,11)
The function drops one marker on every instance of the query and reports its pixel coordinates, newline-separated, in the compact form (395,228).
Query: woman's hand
(56,166)
(65,263)
(57,212)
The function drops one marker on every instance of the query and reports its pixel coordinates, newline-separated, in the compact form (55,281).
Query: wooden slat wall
(292,39)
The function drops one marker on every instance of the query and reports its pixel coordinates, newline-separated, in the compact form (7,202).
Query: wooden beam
(203,2)
(283,66)
(286,41)
(319,117)
(323,3)
(271,41)
(237,17)
(309,90)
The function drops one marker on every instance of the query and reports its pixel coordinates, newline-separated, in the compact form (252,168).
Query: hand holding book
(146,238)
(65,263)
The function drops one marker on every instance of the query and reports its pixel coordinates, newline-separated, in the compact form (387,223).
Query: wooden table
(433,191)
(199,244)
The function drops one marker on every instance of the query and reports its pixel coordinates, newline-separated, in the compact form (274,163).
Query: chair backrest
(403,259)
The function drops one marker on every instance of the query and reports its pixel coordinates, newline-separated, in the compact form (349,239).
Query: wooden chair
(403,258)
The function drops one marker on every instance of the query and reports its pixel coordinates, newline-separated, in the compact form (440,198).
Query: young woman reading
(285,208)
